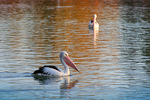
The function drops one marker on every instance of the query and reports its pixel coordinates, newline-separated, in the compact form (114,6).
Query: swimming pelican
(49,70)
(93,23)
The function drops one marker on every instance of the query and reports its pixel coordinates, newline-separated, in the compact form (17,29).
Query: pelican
(53,71)
(93,23)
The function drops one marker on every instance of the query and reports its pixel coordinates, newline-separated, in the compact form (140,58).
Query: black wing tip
(40,70)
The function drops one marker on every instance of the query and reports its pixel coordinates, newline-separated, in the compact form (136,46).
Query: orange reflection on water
(47,28)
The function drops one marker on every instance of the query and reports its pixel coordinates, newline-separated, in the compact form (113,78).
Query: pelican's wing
(41,70)
(53,67)
(90,24)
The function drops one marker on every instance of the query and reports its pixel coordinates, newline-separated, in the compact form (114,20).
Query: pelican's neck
(94,20)
(66,68)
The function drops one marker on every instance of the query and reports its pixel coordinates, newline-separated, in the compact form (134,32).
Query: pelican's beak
(70,63)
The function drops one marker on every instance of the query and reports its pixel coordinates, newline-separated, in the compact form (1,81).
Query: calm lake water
(114,63)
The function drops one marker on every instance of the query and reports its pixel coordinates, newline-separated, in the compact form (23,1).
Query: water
(114,63)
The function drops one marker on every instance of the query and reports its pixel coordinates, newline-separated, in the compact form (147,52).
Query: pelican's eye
(66,54)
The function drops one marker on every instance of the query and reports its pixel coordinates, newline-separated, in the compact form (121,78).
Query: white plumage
(49,70)
(93,24)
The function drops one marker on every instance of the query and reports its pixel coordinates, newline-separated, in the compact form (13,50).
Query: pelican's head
(64,55)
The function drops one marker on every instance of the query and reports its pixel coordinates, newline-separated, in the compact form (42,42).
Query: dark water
(115,62)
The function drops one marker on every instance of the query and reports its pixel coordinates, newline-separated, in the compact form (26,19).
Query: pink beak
(70,63)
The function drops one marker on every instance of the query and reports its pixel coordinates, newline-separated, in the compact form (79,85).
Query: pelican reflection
(95,34)
(65,82)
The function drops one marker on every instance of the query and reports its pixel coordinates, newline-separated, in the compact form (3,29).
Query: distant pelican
(93,24)
(49,70)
